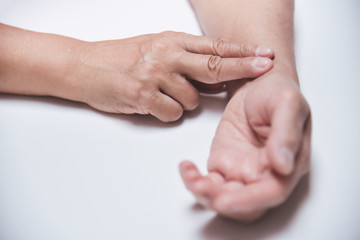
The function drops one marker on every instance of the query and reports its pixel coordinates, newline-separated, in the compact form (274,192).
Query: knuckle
(297,100)
(220,46)
(160,46)
(246,49)
(214,67)
(150,69)
(291,96)
(168,33)
(136,90)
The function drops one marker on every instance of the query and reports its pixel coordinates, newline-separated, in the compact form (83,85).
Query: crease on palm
(237,152)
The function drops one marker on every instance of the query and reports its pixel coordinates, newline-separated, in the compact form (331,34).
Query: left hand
(148,74)
(260,151)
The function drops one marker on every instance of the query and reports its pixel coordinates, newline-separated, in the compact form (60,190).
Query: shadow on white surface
(272,223)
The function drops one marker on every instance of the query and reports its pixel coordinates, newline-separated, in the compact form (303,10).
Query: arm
(262,22)
(143,74)
(37,64)
(268,23)
(261,148)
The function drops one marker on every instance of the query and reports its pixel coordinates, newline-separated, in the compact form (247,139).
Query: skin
(261,148)
(147,74)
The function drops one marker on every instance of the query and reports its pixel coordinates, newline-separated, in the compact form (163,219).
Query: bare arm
(143,74)
(262,22)
(261,148)
(268,23)
(37,63)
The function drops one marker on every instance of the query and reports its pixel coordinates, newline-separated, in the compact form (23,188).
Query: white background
(69,172)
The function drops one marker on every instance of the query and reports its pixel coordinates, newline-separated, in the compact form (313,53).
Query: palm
(238,151)
(242,183)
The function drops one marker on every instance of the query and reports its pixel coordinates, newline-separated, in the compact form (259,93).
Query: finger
(287,130)
(209,88)
(303,160)
(306,148)
(252,198)
(165,108)
(243,216)
(214,69)
(224,48)
(182,91)
(249,202)
(203,187)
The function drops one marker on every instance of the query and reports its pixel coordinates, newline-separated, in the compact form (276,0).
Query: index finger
(223,47)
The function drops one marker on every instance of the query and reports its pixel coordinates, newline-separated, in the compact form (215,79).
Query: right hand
(260,151)
(148,74)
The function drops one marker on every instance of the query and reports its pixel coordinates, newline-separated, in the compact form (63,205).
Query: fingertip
(261,64)
(263,51)
(287,160)
(186,165)
(189,171)
(282,160)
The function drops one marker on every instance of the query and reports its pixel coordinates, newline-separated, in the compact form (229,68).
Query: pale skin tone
(262,145)
(147,74)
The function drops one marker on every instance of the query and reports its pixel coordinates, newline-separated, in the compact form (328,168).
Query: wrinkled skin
(247,171)
(149,74)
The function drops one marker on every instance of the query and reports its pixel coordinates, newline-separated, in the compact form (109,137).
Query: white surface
(68,172)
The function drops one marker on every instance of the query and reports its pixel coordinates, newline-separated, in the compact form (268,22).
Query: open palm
(260,150)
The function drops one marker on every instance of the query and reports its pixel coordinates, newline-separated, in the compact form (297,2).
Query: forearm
(34,63)
(264,22)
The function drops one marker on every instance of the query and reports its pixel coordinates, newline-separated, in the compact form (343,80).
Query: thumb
(287,131)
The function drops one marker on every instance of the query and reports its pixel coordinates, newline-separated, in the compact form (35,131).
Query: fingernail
(260,62)
(287,160)
(262,51)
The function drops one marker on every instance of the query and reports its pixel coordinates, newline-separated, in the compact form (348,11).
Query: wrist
(283,69)
(71,82)
(286,68)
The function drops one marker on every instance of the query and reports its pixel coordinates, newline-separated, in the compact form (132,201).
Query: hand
(148,74)
(260,150)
